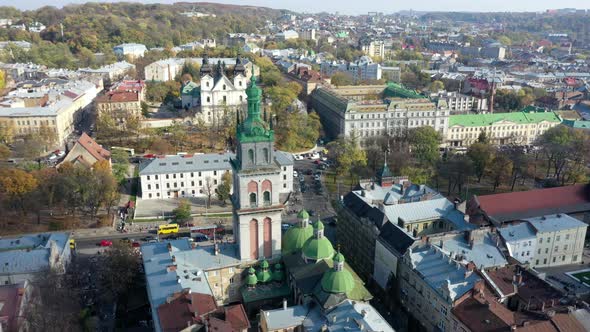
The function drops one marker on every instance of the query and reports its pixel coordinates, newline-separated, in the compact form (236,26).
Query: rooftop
(527,204)
(518,232)
(555,223)
(30,253)
(482,120)
(483,252)
(441,272)
(351,316)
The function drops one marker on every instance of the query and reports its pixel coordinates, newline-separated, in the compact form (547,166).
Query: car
(309,172)
(317,177)
(323,166)
(315,156)
(301,178)
(148,238)
(317,162)
(295,174)
(105,243)
(135,244)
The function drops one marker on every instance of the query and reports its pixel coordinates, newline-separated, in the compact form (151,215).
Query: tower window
(224,87)
(241,97)
(208,99)
(266,155)
(253,199)
(240,83)
(251,156)
(224,99)
(266,197)
(207,84)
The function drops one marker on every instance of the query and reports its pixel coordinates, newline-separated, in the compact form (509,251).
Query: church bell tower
(256,205)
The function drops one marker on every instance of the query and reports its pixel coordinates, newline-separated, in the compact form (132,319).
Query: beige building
(86,152)
(519,128)
(560,240)
(56,107)
(374,48)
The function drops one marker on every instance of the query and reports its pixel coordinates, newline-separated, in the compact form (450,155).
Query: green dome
(253,91)
(251,279)
(339,258)
(317,248)
(263,275)
(337,281)
(295,238)
(303,214)
(318,225)
(278,274)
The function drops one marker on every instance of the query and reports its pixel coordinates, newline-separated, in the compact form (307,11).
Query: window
(567,236)
(182,184)
(156,177)
(540,241)
(241,98)
(266,155)
(545,261)
(148,177)
(225,99)
(251,156)
(565,247)
(199,173)
(214,172)
(546,250)
(562,258)
(224,87)
(284,185)
(575,258)
(537,262)
(554,259)
(174,176)
(266,197)
(192,175)
(175,184)
(168,185)
(192,183)
(157,186)
(252,199)
(150,195)
(556,248)
(557,238)
(167,176)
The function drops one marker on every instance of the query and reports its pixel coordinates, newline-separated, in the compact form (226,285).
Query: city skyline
(359,7)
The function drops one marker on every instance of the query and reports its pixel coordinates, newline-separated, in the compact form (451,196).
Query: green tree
(224,188)
(4,152)
(182,213)
(436,86)
(348,155)
(2,80)
(145,109)
(482,155)
(500,170)
(424,145)
(341,79)
(417,174)
(119,271)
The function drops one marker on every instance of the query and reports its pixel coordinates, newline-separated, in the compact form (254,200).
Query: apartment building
(459,103)
(369,111)
(560,240)
(130,50)
(50,104)
(520,128)
(360,70)
(432,283)
(196,175)
(374,48)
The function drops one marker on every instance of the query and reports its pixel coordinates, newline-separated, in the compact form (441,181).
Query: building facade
(361,70)
(366,111)
(518,128)
(257,203)
(374,48)
(131,50)
(560,240)
(459,103)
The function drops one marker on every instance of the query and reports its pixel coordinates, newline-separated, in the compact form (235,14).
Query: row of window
(574,259)
(557,238)
(149,186)
(396,115)
(28,122)
(181,175)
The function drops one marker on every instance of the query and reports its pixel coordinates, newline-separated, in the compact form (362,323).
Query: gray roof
(555,222)
(484,253)
(433,209)
(199,163)
(347,316)
(285,318)
(518,232)
(29,253)
(191,266)
(439,271)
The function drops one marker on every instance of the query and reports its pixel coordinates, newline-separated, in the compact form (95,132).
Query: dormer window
(224,87)
(240,83)
(207,84)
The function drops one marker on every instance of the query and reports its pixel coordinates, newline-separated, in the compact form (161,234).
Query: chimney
(284,304)
(364,313)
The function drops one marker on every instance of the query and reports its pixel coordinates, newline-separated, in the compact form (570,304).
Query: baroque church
(218,97)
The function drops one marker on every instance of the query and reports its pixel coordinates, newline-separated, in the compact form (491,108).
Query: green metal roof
(251,279)
(263,274)
(400,91)
(278,274)
(295,238)
(318,225)
(303,214)
(271,291)
(578,124)
(482,120)
(254,128)
(337,281)
(318,248)
(191,88)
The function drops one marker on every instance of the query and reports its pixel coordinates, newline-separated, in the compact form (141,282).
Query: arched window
(208,99)
(251,156)
(240,83)
(207,84)
(253,199)
(266,155)
(266,198)
(224,87)
(241,98)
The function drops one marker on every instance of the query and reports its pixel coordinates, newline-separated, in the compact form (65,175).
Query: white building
(374,48)
(25,256)
(168,69)
(132,50)
(460,103)
(560,240)
(110,72)
(192,175)
(360,70)
(521,241)
(37,27)
(287,34)
(308,34)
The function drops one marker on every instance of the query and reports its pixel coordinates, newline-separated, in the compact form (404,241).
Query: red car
(135,244)
(105,243)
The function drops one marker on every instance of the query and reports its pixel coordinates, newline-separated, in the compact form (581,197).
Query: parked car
(105,243)
(317,177)
(295,174)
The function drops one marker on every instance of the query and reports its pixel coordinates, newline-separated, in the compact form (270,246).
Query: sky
(359,6)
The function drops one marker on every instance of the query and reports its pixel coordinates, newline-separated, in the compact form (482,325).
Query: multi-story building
(110,72)
(286,35)
(24,257)
(519,128)
(86,152)
(361,70)
(521,241)
(122,101)
(560,240)
(308,34)
(459,103)
(196,175)
(368,111)
(131,50)
(374,48)
(432,284)
(168,69)
(50,104)
(415,209)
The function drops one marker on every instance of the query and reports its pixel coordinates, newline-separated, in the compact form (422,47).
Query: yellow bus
(168,229)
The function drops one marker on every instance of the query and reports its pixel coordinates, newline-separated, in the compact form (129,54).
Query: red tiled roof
(11,297)
(237,317)
(532,203)
(118,97)
(70,94)
(477,316)
(184,309)
(566,322)
(219,325)
(96,150)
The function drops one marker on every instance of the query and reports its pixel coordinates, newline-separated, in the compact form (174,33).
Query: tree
(436,86)
(424,145)
(348,155)
(145,109)
(481,154)
(2,80)
(456,170)
(17,184)
(182,213)
(341,78)
(208,190)
(4,152)
(161,146)
(417,174)
(224,188)
(500,169)
(483,137)
(119,271)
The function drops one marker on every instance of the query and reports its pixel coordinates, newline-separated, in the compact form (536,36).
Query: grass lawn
(583,276)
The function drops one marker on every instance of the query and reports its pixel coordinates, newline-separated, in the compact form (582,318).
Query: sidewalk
(162,208)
